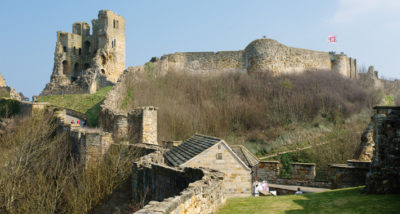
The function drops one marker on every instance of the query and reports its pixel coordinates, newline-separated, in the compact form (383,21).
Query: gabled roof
(189,149)
(245,155)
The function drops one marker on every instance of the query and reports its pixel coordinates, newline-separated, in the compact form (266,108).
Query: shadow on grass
(350,200)
(93,114)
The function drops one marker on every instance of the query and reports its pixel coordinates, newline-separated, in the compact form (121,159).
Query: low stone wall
(301,174)
(348,175)
(175,190)
(303,171)
(268,170)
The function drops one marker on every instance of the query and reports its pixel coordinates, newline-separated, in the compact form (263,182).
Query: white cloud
(355,10)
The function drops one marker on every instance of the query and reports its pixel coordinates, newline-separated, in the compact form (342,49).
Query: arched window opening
(76,68)
(87,47)
(86,66)
(65,49)
(103,60)
(114,43)
(65,66)
(80,51)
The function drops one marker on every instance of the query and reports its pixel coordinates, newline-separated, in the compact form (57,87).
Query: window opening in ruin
(219,156)
(65,49)
(76,67)
(80,51)
(113,43)
(103,71)
(87,46)
(65,66)
(95,52)
(86,66)
(115,23)
(103,60)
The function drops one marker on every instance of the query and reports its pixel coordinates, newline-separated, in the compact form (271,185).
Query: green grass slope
(349,200)
(88,104)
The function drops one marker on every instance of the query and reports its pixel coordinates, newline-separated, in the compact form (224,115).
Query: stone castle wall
(84,62)
(262,55)
(202,62)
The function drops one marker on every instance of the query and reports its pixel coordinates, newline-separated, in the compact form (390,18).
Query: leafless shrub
(397,100)
(39,175)
(240,103)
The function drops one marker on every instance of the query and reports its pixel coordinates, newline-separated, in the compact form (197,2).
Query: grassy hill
(88,104)
(349,200)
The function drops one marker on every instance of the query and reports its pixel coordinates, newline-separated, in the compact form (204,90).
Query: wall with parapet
(351,174)
(301,174)
(175,190)
(261,55)
(202,62)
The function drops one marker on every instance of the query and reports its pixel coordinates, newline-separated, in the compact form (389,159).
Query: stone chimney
(142,125)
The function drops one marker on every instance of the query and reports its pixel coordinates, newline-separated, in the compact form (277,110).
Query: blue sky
(368,30)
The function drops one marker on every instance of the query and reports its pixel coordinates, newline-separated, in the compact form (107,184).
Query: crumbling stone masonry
(2,81)
(384,176)
(142,123)
(84,62)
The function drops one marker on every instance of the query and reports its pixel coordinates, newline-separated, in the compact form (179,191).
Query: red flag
(332,39)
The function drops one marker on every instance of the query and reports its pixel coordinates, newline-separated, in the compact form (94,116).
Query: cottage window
(219,156)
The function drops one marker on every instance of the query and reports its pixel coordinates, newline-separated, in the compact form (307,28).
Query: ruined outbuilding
(85,62)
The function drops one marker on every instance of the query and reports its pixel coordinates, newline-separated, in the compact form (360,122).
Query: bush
(238,104)
(39,174)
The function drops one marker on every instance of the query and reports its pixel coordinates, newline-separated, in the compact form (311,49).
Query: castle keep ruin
(84,62)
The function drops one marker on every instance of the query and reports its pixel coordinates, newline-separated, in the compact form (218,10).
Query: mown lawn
(350,200)
(88,104)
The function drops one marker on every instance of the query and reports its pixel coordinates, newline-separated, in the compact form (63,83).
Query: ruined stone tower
(143,125)
(84,62)
(2,81)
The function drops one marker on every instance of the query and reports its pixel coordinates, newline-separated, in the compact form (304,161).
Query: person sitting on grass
(299,192)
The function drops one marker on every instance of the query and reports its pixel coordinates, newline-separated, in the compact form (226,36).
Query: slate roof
(245,155)
(189,149)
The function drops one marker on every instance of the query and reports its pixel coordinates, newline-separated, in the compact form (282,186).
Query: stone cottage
(248,158)
(214,153)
